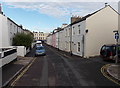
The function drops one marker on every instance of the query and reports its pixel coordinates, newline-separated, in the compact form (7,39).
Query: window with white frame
(78,46)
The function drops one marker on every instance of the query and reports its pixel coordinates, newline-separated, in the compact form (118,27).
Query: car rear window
(40,48)
(113,48)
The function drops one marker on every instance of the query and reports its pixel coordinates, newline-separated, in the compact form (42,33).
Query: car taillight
(110,53)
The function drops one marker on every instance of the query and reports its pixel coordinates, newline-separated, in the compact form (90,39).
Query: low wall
(21,51)
(7,56)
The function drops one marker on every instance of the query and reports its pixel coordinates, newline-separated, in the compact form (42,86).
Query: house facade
(101,26)
(78,34)
(93,31)
(40,36)
(8,30)
(86,35)
(67,32)
(13,29)
(4,32)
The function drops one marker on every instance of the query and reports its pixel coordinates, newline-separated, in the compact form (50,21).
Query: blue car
(40,50)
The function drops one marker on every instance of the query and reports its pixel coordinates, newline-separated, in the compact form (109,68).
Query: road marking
(76,73)
(105,74)
(102,69)
(22,73)
(44,77)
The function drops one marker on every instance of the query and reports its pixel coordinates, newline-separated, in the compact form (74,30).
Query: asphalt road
(55,69)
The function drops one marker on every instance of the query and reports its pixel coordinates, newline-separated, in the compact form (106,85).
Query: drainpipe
(58,40)
(71,40)
(83,45)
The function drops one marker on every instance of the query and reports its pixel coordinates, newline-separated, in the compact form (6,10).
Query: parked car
(40,50)
(38,43)
(108,52)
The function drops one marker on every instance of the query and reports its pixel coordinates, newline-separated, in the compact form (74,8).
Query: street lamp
(116,37)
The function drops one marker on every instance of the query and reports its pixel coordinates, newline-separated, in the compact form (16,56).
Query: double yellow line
(22,73)
(105,74)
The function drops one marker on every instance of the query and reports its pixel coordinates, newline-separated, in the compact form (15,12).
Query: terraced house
(40,36)
(8,30)
(85,36)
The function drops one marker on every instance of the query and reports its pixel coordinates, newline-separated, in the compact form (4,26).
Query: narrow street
(55,69)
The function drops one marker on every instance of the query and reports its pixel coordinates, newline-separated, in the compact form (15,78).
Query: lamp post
(116,37)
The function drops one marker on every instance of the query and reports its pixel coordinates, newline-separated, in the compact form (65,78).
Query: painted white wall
(57,39)
(76,37)
(8,59)
(62,40)
(8,29)
(0,30)
(67,38)
(4,37)
(100,30)
(13,30)
(21,51)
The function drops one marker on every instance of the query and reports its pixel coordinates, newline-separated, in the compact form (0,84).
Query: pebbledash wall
(86,36)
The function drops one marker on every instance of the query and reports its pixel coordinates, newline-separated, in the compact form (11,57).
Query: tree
(22,39)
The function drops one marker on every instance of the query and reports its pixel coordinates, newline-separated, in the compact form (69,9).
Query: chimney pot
(106,4)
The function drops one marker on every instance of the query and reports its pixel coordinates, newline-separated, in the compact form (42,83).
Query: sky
(46,16)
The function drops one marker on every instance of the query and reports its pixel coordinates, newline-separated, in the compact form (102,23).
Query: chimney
(106,4)
(75,18)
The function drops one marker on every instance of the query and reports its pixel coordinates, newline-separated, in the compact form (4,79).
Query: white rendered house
(93,31)
(8,29)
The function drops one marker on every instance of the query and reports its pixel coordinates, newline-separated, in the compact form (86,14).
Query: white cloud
(60,9)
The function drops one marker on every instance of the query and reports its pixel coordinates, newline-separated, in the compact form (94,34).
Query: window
(69,32)
(79,29)
(17,29)
(78,46)
(73,31)
(14,29)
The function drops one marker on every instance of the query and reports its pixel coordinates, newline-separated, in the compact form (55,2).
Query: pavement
(12,70)
(114,71)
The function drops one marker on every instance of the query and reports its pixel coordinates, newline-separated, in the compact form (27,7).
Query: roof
(85,17)
(13,21)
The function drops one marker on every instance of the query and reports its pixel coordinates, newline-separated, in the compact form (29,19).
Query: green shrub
(22,39)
